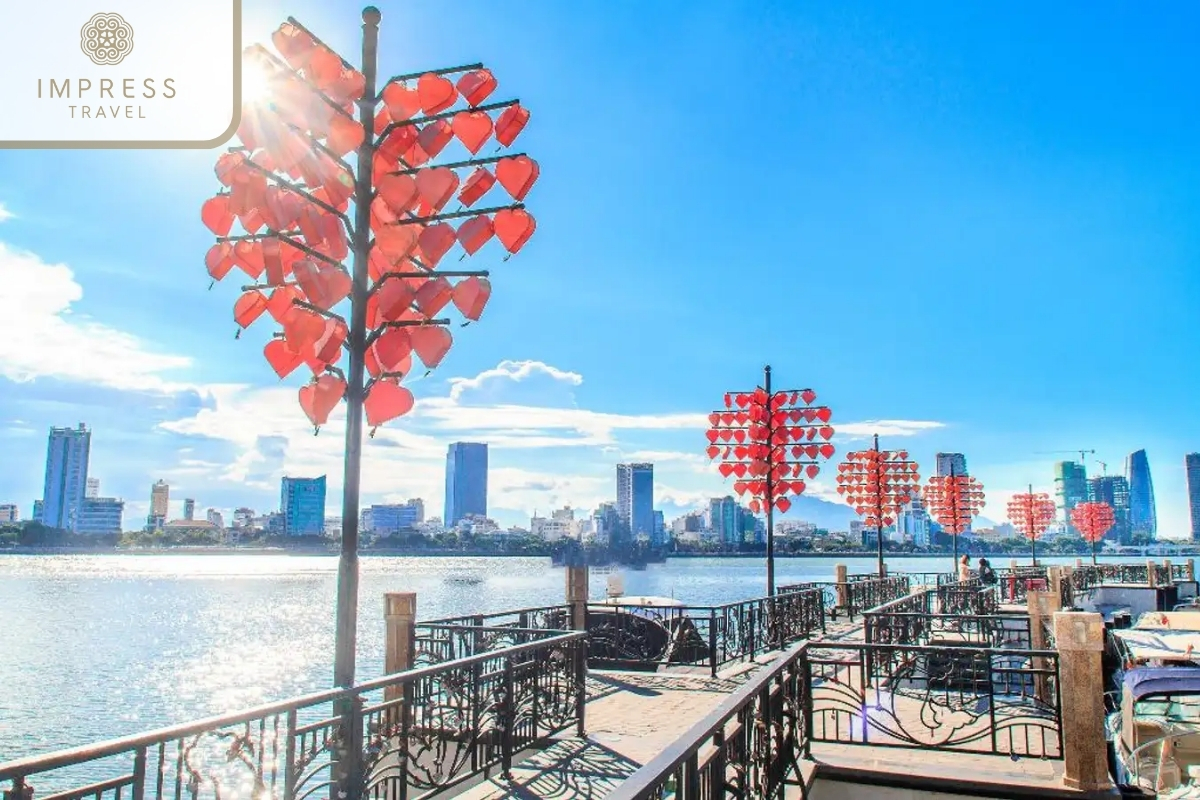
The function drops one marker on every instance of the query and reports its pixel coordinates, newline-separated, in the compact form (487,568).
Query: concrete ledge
(947,771)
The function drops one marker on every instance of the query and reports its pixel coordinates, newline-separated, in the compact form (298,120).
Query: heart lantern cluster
(1093,519)
(953,500)
(877,484)
(1031,513)
(770,443)
(288,188)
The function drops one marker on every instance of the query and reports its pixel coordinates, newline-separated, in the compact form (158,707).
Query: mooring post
(577,595)
(1079,636)
(1167,567)
(1151,574)
(843,590)
(1190,569)
(400,637)
(1042,608)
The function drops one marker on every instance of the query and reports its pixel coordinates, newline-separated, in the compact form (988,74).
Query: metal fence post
(508,714)
(580,646)
(712,641)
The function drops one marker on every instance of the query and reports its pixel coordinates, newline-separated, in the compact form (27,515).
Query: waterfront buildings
(384,520)
(1143,519)
(65,487)
(100,516)
(93,488)
(189,509)
(951,464)
(302,506)
(9,513)
(242,517)
(1070,489)
(1191,464)
(466,481)
(635,501)
(215,517)
(1114,490)
(913,522)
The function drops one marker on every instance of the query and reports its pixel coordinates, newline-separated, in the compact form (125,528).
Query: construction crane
(1083,454)
(1103,466)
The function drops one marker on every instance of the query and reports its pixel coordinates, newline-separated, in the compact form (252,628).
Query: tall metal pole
(347,591)
(770,488)
(879,507)
(954,518)
(1032,532)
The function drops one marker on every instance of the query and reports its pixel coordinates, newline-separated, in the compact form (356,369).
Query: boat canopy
(1146,681)
(644,600)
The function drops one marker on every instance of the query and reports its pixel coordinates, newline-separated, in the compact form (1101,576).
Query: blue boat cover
(1146,681)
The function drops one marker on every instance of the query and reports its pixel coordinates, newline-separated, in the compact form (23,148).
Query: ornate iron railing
(967,597)
(750,746)
(557,617)
(439,643)
(646,637)
(406,735)
(966,698)
(858,594)
(915,620)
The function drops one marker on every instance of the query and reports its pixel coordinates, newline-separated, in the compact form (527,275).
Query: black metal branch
(286,236)
(455,215)
(470,162)
(443,71)
(294,187)
(421,323)
(391,126)
(318,310)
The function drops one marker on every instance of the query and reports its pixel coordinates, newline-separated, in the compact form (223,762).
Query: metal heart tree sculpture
(290,189)
(331,168)
(1031,513)
(954,500)
(877,484)
(770,441)
(1093,520)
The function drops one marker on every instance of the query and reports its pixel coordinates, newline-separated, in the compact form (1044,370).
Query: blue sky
(976,222)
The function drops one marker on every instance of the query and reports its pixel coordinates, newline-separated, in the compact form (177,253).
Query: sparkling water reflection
(101,646)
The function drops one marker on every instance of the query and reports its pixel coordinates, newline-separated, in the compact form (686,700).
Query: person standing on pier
(964,568)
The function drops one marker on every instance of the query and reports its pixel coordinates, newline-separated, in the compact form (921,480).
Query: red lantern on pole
(954,500)
(1093,520)
(1031,513)
(877,483)
(770,441)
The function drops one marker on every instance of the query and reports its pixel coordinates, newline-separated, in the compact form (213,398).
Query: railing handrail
(784,592)
(42,763)
(646,777)
(515,612)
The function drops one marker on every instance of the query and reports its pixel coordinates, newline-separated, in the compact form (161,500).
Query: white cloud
(40,336)
(5,214)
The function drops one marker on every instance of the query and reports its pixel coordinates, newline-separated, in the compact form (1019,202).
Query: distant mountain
(822,513)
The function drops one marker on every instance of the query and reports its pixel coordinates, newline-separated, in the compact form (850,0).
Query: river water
(99,646)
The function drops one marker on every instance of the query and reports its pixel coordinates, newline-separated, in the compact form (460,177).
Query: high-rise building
(215,517)
(1143,517)
(1070,489)
(725,520)
(242,517)
(37,510)
(1114,490)
(1191,463)
(160,503)
(635,499)
(66,476)
(659,537)
(9,513)
(189,509)
(912,523)
(93,488)
(100,516)
(951,464)
(466,481)
(302,505)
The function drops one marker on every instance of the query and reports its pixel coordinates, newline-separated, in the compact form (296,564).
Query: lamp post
(877,483)
(289,187)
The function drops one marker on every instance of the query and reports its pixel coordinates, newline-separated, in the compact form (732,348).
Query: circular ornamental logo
(106,39)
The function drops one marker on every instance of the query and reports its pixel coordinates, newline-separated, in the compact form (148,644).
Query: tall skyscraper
(1114,490)
(66,476)
(1070,489)
(93,488)
(466,481)
(1191,464)
(1143,517)
(635,499)
(951,464)
(189,509)
(160,504)
(302,504)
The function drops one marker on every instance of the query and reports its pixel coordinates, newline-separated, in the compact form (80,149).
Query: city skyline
(938,162)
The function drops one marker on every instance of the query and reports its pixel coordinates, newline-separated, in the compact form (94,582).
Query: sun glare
(255,82)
